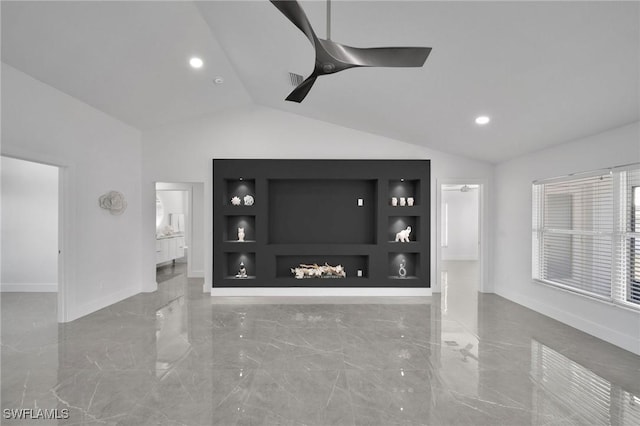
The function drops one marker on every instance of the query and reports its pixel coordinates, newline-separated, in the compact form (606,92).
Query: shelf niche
(230,233)
(350,263)
(322,211)
(404,188)
(399,223)
(238,188)
(233,265)
(412,265)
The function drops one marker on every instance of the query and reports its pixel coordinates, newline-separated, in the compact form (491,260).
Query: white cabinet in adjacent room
(169,248)
(179,247)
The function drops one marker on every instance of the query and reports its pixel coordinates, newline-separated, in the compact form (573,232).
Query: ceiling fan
(332,57)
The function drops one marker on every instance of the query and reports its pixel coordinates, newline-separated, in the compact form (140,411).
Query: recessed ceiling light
(218,80)
(482,120)
(196,62)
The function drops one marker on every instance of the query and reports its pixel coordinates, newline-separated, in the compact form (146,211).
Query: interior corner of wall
(150,288)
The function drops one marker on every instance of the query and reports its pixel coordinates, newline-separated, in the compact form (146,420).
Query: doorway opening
(179,230)
(31,234)
(459,254)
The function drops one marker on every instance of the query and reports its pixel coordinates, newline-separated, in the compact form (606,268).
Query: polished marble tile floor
(179,357)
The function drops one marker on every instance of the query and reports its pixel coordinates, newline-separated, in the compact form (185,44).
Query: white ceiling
(546,72)
(128,59)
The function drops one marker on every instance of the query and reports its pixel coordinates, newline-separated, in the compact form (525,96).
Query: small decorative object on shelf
(403,236)
(240,234)
(402,270)
(403,201)
(236,201)
(242,272)
(248,200)
(410,201)
(316,271)
(394,201)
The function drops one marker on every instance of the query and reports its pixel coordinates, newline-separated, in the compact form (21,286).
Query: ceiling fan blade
(300,92)
(383,56)
(293,11)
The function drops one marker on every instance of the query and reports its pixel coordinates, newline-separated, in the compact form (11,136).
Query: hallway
(181,357)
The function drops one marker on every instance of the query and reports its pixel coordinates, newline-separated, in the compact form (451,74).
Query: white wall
(29,226)
(98,154)
(461,223)
(183,152)
(512,233)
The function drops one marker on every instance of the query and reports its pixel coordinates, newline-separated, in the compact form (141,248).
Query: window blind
(586,234)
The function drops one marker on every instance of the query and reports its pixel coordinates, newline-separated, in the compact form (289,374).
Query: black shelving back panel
(302,211)
(316,211)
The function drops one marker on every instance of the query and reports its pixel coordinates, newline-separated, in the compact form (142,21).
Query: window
(634,293)
(586,234)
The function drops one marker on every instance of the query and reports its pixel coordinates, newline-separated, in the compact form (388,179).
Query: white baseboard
(153,286)
(103,302)
(615,337)
(29,287)
(195,274)
(314,291)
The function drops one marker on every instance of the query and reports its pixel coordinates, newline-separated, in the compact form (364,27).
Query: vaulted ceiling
(546,72)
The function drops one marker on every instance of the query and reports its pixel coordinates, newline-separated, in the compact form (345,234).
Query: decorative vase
(248,200)
(240,234)
(402,271)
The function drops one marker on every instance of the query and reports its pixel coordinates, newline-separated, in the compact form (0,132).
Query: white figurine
(410,201)
(240,234)
(394,201)
(248,200)
(242,272)
(403,236)
(236,201)
(403,201)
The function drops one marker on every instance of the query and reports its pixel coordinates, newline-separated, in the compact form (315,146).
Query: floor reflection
(459,297)
(172,341)
(180,357)
(560,383)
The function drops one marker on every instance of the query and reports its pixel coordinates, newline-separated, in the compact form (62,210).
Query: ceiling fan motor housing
(328,67)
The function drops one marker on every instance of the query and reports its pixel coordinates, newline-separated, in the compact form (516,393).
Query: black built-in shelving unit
(307,211)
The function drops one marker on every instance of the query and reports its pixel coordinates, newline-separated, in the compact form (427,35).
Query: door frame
(65,223)
(483,229)
(187,187)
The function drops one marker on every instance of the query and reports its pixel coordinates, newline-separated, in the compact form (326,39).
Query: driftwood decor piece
(316,271)
(113,201)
